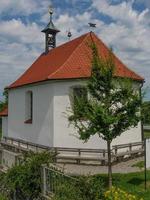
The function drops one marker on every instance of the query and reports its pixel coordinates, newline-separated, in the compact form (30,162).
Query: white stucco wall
(64,135)
(132,135)
(50,125)
(41,129)
(5,126)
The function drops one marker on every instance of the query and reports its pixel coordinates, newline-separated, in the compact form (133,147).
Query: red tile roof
(4,112)
(70,60)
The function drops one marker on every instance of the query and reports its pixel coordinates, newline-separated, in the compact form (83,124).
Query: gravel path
(123,167)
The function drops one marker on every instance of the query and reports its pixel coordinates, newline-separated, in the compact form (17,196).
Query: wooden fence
(22,145)
(127,150)
(77,155)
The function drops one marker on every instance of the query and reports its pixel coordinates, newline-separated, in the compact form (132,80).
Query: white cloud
(21,43)
(78,25)
(17,30)
(128,34)
(23,7)
(122,12)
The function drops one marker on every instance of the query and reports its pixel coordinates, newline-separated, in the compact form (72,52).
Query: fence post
(27,145)
(116,150)
(14,195)
(55,150)
(43,177)
(130,147)
(19,143)
(11,141)
(37,150)
(104,153)
(79,154)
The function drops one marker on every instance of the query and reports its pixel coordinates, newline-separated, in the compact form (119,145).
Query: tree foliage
(113,105)
(4,103)
(146,112)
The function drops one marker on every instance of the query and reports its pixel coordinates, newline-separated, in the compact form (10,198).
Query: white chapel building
(39,100)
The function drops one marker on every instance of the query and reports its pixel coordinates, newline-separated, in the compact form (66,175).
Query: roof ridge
(86,35)
(69,60)
(116,57)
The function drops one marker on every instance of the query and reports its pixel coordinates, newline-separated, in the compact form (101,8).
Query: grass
(132,183)
(147,134)
(139,164)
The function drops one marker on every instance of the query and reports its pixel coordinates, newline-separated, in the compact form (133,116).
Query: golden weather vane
(51,10)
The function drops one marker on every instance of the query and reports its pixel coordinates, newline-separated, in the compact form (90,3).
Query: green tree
(113,105)
(146,112)
(4,103)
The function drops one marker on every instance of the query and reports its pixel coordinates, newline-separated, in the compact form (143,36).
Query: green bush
(3,186)
(25,178)
(90,188)
(85,188)
(2,197)
(67,191)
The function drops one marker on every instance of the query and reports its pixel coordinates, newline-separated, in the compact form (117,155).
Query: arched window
(29,107)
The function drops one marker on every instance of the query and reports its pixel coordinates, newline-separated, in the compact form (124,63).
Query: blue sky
(121,24)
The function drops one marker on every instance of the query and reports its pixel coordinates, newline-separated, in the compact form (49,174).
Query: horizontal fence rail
(62,154)
(23,145)
(146,127)
(76,155)
(127,150)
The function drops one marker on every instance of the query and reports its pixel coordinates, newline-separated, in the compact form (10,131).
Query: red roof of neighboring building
(70,60)
(4,112)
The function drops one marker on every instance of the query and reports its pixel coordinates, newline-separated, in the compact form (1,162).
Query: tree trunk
(109,164)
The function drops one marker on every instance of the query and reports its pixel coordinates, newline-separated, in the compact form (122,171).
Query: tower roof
(50,27)
(71,60)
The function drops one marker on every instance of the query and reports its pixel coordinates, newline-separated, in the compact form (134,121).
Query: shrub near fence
(53,179)
(60,186)
(23,181)
(85,189)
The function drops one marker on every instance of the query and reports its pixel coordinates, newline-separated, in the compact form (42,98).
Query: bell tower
(50,33)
